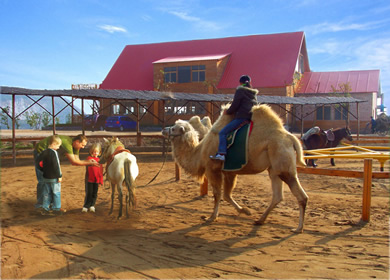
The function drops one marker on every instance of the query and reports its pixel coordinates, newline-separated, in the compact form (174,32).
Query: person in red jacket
(94,177)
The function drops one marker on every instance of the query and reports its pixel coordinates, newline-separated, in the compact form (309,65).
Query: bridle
(171,134)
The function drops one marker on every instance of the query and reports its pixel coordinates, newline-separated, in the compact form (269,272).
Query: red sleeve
(100,175)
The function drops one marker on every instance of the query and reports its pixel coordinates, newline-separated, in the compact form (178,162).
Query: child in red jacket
(94,177)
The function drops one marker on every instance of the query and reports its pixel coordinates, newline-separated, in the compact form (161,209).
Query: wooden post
(177,172)
(204,187)
(54,114)
(139,139)
(13,129)
(367,190)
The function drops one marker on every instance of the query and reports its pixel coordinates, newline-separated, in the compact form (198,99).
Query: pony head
(110,146)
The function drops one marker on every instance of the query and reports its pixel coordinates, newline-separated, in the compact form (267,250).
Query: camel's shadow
(140,252)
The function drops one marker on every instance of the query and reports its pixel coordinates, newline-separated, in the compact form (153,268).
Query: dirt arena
(166,238)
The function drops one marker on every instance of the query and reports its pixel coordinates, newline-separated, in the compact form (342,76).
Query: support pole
(13,129)
(139,142)
(367,190)
(53,114)
(177,172)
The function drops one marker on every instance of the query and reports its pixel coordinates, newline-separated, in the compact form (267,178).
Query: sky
(52,44)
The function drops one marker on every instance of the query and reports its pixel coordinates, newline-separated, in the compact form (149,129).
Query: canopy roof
(145,95)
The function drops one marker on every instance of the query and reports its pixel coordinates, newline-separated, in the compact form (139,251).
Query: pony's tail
(130,184)
(298,149)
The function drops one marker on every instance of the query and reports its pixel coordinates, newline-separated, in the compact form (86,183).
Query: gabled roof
(270,60)
(363,81)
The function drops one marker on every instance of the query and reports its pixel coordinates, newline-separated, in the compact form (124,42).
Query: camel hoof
(258,222)
(246,211)
(298,230)
(208,220)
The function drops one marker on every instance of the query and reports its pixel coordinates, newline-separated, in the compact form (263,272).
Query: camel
(271,147)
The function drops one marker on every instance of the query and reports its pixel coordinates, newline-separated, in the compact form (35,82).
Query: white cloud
(199,23)
(326,27)
(112,28)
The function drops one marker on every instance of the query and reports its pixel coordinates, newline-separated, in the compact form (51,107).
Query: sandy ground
(165,237)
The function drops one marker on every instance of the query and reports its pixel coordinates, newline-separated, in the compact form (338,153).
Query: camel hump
(264,114)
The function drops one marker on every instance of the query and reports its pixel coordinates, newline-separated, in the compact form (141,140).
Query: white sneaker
(92,209)
(218,157)
(84,210)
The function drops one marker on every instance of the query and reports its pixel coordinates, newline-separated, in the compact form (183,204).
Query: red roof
(270,60)
(321,82)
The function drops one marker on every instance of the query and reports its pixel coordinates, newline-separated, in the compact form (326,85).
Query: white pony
(121,169)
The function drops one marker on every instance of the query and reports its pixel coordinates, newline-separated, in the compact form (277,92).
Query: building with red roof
(277,63)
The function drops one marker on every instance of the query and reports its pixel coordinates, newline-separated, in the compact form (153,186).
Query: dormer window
(185,74)
(170,74)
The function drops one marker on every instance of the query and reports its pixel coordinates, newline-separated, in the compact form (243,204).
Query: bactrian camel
(271,148)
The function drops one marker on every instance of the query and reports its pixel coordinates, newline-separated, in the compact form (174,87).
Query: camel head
(181,130)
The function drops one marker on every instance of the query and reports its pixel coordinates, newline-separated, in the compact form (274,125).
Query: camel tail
(298,150)
(130,183)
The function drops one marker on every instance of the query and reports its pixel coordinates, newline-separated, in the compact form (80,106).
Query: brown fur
(271,147)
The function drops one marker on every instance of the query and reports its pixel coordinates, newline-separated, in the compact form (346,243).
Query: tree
(4,116)
(46,118)
(343,90)
(33,119)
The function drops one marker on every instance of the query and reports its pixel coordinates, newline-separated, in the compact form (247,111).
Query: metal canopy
(125,94)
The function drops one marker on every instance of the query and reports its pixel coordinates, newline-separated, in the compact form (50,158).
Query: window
(170,74)
(198,73)
(115,109)
(340,113)
(185,74)
(323,113)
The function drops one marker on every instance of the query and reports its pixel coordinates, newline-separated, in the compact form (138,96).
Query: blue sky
(52,44)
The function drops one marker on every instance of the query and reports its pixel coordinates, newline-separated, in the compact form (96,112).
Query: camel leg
(277,196)
(120,198)
(215,179)
(230,181)
(332,162)
(293,182)
(112,197)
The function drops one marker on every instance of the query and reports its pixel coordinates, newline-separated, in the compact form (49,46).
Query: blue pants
(51,195)
(41,183)
(233,125)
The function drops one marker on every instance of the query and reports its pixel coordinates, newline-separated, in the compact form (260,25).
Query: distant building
(277,63)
